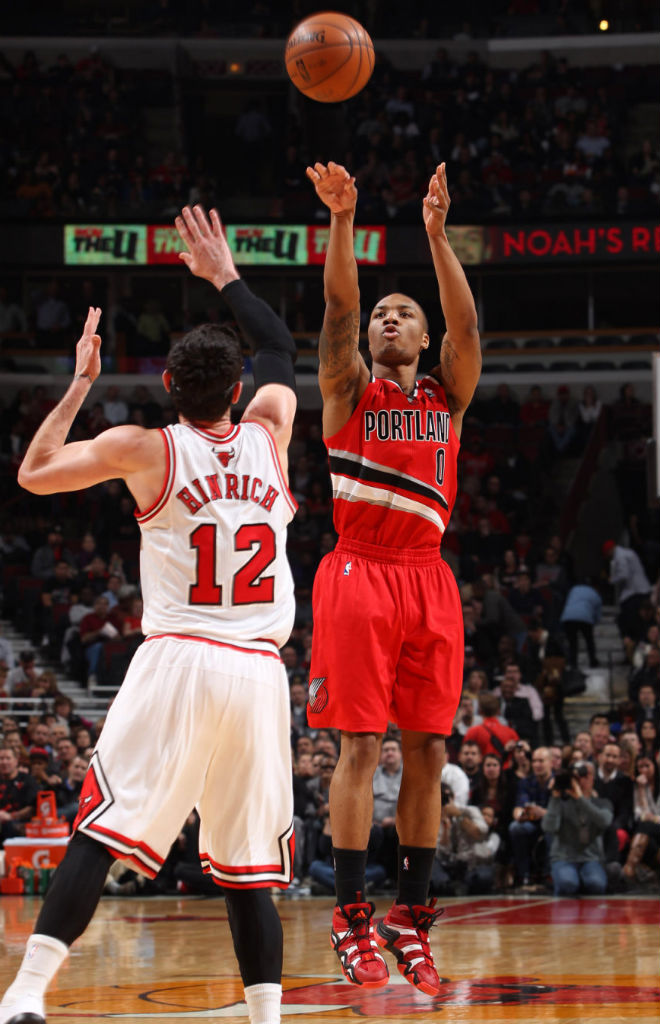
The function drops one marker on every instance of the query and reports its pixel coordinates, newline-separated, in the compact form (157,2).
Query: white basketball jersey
(213,562)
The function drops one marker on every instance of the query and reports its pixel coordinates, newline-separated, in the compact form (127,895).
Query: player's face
(397,331)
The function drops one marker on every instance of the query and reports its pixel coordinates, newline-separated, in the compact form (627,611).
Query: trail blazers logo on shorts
(318,695)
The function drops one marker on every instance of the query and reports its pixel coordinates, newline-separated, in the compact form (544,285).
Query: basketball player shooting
(388,628)
(205,699)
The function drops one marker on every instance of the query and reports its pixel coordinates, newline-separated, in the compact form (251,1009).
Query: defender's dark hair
(205,364)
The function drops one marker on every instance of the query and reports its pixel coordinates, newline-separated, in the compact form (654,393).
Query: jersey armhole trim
(290,500)
(170,469)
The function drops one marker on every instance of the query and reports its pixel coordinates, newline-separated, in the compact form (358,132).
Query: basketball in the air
(329,57)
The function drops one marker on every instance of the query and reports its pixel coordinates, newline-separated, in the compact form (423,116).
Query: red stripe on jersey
(246,869)
(291,501)
(135,846)
(271,883)
(170,468)
(220,643)
(210,435)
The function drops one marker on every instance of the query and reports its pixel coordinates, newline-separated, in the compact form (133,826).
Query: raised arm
(343,373)
(460,355)
(131,453)
(273,348)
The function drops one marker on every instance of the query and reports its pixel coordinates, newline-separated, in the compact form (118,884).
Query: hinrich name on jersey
(407,425)
(231,487)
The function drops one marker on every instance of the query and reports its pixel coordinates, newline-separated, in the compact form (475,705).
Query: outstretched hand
(334,186)
(436,202)
(88,359)
(208,255)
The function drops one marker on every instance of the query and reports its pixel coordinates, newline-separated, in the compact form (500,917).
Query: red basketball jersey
(393,466)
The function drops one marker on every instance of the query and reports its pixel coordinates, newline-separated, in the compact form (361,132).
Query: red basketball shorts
(388,641)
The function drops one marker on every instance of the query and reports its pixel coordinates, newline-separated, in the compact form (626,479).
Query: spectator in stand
(649,706)
(648,735)
(469,759)
(642,648)
(18,795)
(21,679)
(476,683)
(12,317)
(298,692)
(581,612)
(52,317)
(516,710)
(68,793)
(589,409)
(613,785)
(455,777)
(65,752)
(497,614)
(576,820)
(114,583)
(95,630)
(647,675)
(466,717)
(631,587)
(507,571)
(41,772)
(492,735)
(600,733)
(645,844)
(535,409)
(521,766)
(477,635)
(503,408)
(47,555)
(457,867)
(584,745)
(57,594)
(524,599)
(562,422)
(525,832)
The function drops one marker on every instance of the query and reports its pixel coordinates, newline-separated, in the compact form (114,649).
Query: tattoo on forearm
(338,342)
(448,356)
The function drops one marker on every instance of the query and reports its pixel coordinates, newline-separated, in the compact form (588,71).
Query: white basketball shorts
(198,724)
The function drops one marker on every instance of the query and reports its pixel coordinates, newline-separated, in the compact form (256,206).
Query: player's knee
(360,753)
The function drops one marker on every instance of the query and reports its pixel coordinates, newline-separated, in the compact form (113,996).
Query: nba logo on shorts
(406,864)
(347,569)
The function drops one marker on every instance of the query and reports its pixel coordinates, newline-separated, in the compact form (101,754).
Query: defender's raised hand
(209,255)
(88,360)
(436,202)
(334,186)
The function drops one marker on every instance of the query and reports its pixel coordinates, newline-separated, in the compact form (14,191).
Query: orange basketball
(329,57)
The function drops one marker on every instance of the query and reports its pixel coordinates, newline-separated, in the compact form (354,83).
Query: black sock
(415,866)
(350,867)
(256,930)
(75,891)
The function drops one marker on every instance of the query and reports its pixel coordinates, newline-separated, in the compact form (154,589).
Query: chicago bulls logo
(224,457)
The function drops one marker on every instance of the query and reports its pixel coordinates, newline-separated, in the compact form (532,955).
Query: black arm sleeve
(274,350)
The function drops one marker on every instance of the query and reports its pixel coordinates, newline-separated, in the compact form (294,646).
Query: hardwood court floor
(531,959)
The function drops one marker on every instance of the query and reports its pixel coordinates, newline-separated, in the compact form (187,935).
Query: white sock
(43,957)
(264,1003)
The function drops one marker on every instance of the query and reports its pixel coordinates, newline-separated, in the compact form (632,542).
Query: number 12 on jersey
(248,585)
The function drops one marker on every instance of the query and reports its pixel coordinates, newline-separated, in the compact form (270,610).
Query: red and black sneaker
(405,932)
(354,943)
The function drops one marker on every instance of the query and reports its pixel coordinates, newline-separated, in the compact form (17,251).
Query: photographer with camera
(576,820)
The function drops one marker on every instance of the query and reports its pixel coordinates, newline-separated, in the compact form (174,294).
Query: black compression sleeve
(274,350)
